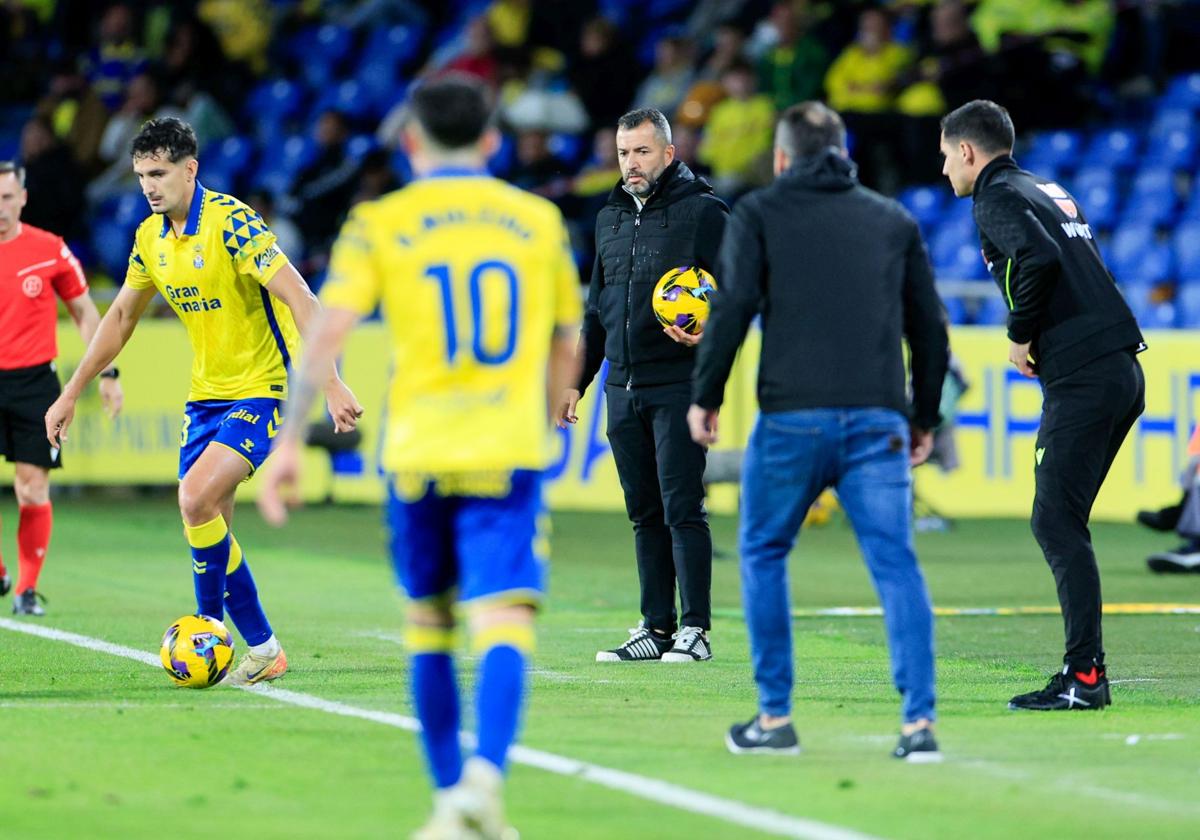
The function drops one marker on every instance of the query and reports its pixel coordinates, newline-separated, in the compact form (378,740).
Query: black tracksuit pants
(662,473)
(1085,417)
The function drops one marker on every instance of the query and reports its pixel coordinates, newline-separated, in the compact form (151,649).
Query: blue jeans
(862,453)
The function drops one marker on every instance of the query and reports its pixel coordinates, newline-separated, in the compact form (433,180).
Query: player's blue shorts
(487,548)
(245,426)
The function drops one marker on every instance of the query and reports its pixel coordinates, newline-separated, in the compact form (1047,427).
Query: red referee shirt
(34,266)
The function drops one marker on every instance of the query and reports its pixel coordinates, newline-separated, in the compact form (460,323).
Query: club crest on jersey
(32,286)
(198,257)
(162,259)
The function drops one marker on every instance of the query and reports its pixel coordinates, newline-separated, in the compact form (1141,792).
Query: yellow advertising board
(996,423)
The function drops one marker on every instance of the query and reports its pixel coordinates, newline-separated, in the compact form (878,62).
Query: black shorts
(25,395)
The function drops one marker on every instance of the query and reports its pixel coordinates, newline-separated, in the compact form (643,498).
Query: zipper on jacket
(637,223)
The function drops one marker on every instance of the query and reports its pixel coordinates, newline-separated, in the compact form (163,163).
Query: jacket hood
(677,182)
(829,171)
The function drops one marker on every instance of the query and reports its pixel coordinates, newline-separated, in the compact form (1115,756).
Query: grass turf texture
(99,746)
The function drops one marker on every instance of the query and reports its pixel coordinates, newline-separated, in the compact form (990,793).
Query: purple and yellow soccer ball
(682,298)
(197,651)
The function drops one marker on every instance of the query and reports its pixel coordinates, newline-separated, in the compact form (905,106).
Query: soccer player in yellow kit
(481,300)
(244,305)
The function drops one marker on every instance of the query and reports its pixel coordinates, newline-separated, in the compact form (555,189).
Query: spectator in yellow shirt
(738,138)
(862,85)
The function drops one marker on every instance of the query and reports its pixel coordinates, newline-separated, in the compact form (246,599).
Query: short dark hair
(809,128)
(11,166)
(653,116)
(453,111)
(982,123)
(168,135)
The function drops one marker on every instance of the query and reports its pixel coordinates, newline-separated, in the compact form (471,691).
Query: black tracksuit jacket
(840,275)
(681,224)
(1040,251)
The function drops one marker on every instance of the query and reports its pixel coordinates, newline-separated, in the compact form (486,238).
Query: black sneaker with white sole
(642,646)
(691,645)
(1068,691)
(26,603)
(918,747)
(1184,559)
(750,737)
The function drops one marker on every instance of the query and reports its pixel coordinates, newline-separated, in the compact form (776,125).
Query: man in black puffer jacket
(659,216)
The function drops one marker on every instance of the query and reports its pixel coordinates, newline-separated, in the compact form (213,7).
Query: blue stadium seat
(568,148)
(111,242)
(1186,244)
(956,310)
(361,145)
(275,100)
(234,154)
(1172,148)
(1191,210)
(1091,176)
(398,45)
(1138,258)
(347,97)
(1187,304)
(1113,147)
(1099,204)
(956,257)
(925,204)
(381,83)
(1170,117)
(1046,167)
(1060,149)
(506,155)
(129,209)
(297,152)
(1183,92)
(1152,198)
(219,177)
(992,311)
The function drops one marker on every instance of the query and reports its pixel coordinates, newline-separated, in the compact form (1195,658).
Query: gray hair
(662,128)
(7,166)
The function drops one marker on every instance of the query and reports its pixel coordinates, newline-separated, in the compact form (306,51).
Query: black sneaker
(1184,559)
(752,738)
(642,646)
(5,584)
(1068,690)
(919,747)
(691,645)
(1164,519)
(26,603)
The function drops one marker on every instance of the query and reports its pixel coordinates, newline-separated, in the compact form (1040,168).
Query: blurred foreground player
(244,305)
(479,292)
(36,269)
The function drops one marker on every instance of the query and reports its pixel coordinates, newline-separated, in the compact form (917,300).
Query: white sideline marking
(653,790)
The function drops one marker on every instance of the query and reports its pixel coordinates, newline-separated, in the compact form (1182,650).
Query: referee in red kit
(35,267)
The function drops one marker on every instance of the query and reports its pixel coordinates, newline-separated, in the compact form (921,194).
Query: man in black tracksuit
(1070,328)
(659,216)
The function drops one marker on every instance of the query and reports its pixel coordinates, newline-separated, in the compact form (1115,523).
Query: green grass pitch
(96,746)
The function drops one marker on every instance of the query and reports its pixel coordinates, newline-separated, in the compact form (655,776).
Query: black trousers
(662,473)
(1085,417)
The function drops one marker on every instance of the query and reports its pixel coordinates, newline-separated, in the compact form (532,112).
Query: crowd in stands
(298,103)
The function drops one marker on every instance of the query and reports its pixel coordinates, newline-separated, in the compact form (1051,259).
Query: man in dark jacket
(840,277)
(660,216)
(1070,328)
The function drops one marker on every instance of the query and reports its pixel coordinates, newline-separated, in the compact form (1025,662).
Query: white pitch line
(643,787)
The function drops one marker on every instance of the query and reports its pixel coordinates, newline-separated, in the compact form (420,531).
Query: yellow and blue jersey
(472,276)
(214,276)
